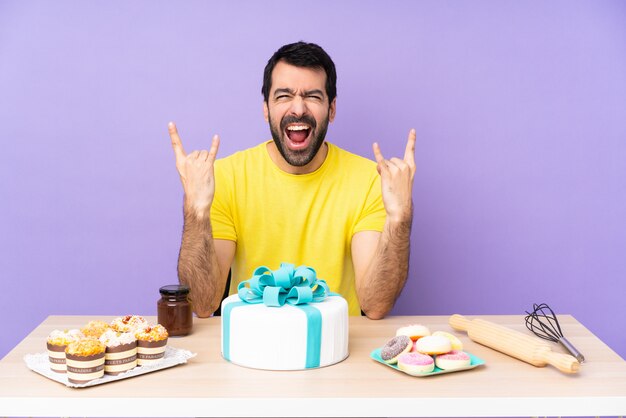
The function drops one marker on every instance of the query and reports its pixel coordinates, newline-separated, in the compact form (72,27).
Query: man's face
(298,112)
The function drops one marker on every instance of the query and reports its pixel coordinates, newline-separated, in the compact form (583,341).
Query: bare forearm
(388,270)
(197,264)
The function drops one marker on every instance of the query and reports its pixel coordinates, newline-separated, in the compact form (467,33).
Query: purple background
(520,111)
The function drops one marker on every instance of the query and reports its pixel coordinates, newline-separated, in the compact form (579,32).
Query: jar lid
(174,289)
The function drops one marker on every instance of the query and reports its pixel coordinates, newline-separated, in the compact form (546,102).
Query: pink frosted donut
(433,345)
(455,359)
(416,363)
(394,347)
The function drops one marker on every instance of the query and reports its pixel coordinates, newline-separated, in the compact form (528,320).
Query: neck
(315,163)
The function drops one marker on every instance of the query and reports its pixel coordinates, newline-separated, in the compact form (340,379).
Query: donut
(414,332)
(394,347)
(455,359)
(416,363)
(454,341)
(433,345)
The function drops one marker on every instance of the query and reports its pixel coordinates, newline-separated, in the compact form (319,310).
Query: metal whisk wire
(542,322)
(550,330)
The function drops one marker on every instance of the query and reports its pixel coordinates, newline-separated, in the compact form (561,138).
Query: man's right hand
(196,173)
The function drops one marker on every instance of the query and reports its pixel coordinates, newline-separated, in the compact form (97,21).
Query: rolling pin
(514,343)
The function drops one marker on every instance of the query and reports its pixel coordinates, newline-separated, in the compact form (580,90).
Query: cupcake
(121,351)
(85,360)
(129,323)
(151,344)
(57,341)
(95,329)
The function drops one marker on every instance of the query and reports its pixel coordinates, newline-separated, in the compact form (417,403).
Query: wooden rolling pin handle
(563,362)
(459,322)
(514,343)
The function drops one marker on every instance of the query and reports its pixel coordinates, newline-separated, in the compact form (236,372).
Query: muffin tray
(39,363)
(475,362)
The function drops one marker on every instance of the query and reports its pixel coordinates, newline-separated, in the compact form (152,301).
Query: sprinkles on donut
(416,363)
(395,347)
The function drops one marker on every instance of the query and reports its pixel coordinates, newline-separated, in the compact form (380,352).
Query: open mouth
(298,135)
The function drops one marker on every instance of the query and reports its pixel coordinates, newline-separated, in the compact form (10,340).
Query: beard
(299,158)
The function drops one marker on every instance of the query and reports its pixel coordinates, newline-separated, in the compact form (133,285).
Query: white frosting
(69,335)
(275,338)
(112,338)
(133,324)
(433,345)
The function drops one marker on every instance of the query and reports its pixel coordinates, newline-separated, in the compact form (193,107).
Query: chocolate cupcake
(56,344)
(95,329)
(121,351)
(151,343)
(85,360)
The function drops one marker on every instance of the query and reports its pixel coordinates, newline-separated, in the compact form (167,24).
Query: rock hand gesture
(397,180)
(196,173)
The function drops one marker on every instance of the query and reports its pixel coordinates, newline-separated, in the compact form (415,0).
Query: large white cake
(286,337)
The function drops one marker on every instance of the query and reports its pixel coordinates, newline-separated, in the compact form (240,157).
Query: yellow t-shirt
(305,219)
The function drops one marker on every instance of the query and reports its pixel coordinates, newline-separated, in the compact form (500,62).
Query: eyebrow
(306,93)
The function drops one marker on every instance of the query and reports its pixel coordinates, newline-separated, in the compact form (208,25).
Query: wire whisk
(544,324)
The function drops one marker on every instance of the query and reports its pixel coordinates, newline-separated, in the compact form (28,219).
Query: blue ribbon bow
(288,284)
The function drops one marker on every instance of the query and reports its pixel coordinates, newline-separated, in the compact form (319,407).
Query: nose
(298,106)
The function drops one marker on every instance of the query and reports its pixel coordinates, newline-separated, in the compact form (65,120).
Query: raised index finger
(382,165)
(179,151)
(409,152)
(377,154)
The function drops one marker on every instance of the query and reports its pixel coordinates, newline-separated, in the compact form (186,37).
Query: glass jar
(174,310)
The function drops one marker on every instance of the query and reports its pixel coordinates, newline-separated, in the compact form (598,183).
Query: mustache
(293,119)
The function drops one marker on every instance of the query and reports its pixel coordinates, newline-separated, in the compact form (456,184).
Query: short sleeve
(222,219)
(373,215)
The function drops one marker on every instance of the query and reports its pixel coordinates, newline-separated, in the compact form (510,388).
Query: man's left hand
(397,181)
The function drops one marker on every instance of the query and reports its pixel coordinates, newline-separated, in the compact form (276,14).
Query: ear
(332,110)
(266,112)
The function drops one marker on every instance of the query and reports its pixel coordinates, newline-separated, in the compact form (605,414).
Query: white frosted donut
(454,341)
(433,345)
(416,363)
(455,359)
(414,332)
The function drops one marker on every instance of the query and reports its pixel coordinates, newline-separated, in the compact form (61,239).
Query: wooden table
(210,386)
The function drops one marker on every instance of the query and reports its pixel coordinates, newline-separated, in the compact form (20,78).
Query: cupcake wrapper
(82,369)
(56,355)
(120,359)
(121,348)
(149,352)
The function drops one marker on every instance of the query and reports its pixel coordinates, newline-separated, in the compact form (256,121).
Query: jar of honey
(174,310)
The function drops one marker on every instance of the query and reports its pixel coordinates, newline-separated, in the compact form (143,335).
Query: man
(297,198)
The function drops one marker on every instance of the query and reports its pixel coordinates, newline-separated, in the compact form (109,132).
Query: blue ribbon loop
(295,286)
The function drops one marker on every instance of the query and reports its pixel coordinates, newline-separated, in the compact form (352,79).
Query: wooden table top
(210,386)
